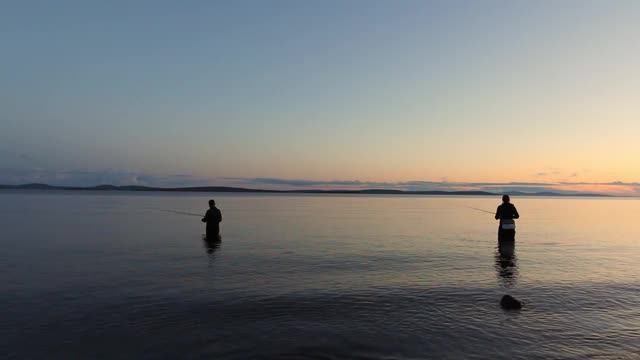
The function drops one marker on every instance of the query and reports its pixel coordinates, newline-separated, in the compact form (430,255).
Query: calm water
(104,275)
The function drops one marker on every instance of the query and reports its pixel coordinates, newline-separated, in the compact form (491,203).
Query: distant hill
(549,193)
(227,189)
(29,187)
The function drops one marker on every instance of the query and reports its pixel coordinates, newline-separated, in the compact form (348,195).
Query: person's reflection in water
(211,246)
(507,263)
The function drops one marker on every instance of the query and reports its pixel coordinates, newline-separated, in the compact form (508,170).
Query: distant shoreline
(227,189)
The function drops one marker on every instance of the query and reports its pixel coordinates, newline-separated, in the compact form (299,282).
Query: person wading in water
(213,217)
(506,213)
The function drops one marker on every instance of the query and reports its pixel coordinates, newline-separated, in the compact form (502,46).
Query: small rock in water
(508,302)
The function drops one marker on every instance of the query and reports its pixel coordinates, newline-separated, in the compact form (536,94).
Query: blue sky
(385,92)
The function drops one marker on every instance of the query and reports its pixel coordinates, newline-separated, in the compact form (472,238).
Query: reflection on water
(507,263)
(211,246)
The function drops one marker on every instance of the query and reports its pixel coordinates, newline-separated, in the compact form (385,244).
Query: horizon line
(107,187)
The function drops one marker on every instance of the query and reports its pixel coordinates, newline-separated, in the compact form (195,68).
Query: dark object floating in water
(508,302)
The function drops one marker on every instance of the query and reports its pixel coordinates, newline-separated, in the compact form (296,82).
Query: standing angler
(213,217)
(506,213)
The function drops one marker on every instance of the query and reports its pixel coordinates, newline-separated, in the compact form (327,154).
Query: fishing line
(200,215)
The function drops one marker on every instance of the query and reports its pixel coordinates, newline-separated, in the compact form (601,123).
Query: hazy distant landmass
(308,191)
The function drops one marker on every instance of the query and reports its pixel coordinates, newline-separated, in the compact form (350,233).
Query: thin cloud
(615,183)
(15,157)
(93,178)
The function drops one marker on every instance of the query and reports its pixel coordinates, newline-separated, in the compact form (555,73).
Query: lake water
(112,275)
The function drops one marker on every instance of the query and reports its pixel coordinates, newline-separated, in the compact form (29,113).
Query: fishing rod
(488,212)
(181,212)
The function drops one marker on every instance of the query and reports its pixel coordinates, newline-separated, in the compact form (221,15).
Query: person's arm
(219,216)
(515,213)
(498,213)
(206,217)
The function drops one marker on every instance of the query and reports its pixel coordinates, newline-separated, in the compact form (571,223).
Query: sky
(418,95)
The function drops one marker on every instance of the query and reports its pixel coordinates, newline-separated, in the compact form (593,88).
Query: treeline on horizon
(308,191)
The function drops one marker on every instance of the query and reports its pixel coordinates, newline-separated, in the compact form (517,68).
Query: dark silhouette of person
(506,213)
(213,217)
